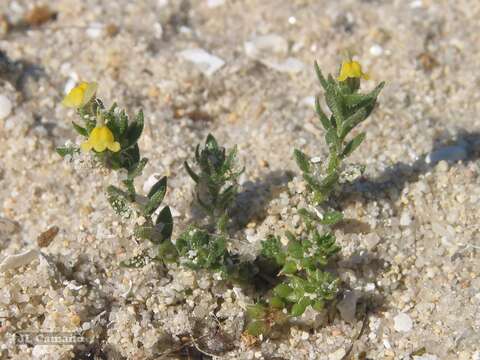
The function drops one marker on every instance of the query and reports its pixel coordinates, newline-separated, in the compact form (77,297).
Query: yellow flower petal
(351,69)
(100,139)
(86,146)
(114,147)
(74,98)
(80,95)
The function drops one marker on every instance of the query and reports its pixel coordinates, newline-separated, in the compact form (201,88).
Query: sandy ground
(411,254)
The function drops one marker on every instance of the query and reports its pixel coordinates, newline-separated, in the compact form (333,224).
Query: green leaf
(155,196)
(290,267)
(137,170)
(165,219)
(276,303)
(134,130)
(211,143)
(295,250)
(66,150)
(333,100)
(256,311)
(352,121)
(79,129)
(354,100)
(227,196)
(331,139)
(323,118)
(329,182)
(290,236)
(302,160)
(136,261)
(122,122)
(118,199)
(311,181)
(167,252)
(230,159)
(191,172)
(308,215)
(318,305)
(353,144)
(160,185)
(299,308)
(151,233)
(320,76)
(257,328)
(282,290)
(332,217)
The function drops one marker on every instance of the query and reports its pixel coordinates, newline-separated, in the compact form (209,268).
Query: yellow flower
(100,139)
(351,69)
(80,95)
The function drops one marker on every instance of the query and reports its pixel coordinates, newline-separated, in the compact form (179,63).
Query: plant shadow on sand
(253,199)
(463,147)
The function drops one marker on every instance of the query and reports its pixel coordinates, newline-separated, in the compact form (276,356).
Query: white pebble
(308,101)
(425,357)
(289,65)
(337,355)
(376,50)
(215,3)
(405,219)
(15,261)
(205,62)
(5,107)
(403,323)
(69,85)
(265,46)
(95,30)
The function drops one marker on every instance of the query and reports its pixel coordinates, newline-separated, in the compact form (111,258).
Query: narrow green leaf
(156,198)
(290,236)
(122,122)
(328,182)
(191,172)
(167,252)
(353,144)
(211,143)
(136,261)
(282,290)
(79,129)
(160,185)
(332,217)
(134,130)
(66,150)
(256,311)
(334,104)
(352,121)
(276,303)
(318,305)
(257,328)
(299,308)
(323,118)
(308,215)
(354,100)
(290,267)
(302,160)
(137,170)
(320,76)
(331,139)
(165,219)
(311,181)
